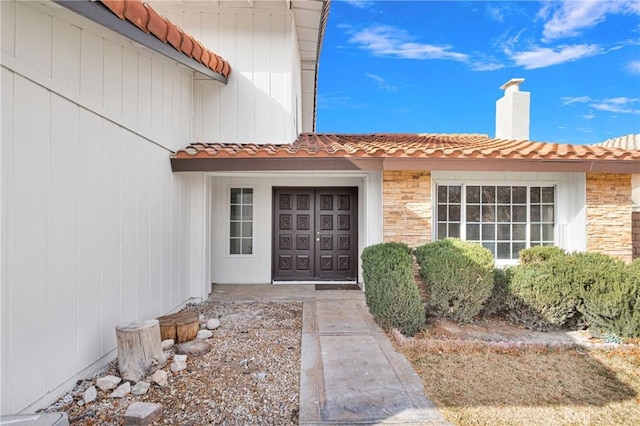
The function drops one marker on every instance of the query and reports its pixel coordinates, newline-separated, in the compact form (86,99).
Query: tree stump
(139,349)
(181,326)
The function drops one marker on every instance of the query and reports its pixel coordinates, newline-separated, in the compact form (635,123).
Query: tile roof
(631,141)
(148,20)
(416,146)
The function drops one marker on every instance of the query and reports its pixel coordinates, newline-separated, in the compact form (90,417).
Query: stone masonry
(609,214)
(407,207)
(636,234)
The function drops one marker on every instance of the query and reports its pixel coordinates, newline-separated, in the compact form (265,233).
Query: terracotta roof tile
(631,141)
(136,12)
(446,146)
(187,45)
(116,6)
(157,25)
(148,20)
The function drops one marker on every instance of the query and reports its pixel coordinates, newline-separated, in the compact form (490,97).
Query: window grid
(503,218)
(241,221)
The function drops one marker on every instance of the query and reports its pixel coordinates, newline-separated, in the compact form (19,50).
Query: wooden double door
(315,234)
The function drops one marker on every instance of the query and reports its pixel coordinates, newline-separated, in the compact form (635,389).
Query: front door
(315,234)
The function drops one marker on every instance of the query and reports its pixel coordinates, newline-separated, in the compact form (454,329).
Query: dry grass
(477,384)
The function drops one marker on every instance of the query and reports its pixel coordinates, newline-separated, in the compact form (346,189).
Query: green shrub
(459,275)
(547,288)
(609,292)
(497,301)
(539,254)
(390,290)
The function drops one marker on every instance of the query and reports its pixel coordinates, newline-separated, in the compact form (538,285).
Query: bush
(459,275)
(539,254)
(609,290)
(497,301)
(547,288)
(390,290)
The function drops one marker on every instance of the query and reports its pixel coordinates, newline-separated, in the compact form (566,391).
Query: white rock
(122,391)
(204,334)
(167,344)
(201,317)
(213,323)
(179,363)
(160,377)
(81,402)
(108,382)
(140,388)
(90,395)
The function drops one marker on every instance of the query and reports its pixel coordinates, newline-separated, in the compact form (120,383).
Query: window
(241,221)
(505,219)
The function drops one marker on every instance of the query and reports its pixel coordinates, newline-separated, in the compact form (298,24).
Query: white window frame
(228,221)
(463,222)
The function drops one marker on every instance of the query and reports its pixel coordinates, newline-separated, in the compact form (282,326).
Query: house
(96,229)
(150,150)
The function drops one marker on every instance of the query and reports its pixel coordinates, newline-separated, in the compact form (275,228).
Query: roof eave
(97,12)
(331,163)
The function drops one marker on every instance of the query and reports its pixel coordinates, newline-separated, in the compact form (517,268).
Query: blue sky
(436,67)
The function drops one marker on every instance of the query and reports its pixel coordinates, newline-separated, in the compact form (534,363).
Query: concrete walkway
(350,372)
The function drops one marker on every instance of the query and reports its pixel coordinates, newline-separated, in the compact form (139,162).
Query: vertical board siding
(95,226)
(28,241)
(258,102)
(65,59)
(6,128)
(62,247)
(33,38)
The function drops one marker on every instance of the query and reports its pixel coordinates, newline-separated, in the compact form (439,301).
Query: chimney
(512,112)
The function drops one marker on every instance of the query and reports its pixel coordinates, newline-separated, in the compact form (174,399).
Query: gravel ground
(250,377)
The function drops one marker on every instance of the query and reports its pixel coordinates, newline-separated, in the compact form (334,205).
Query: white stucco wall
(635,189)
(571,228)
(256,268)
(95,226)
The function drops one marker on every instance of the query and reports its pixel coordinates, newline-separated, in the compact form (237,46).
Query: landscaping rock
(179,363)
(140,388)
(167,344)
(213,323)
(204,334)
(122,391)
(142,413)
(108,382)
(160,378)
(195,347)
(90,395)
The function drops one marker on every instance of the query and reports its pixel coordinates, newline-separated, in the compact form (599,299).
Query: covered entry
(315,235)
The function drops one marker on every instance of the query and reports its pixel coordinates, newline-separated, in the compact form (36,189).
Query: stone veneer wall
(609,214)
(407,207)
(636,234)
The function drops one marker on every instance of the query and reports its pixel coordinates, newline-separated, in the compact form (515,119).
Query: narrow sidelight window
(241,221)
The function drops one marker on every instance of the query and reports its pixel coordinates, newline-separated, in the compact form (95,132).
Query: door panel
(315,234)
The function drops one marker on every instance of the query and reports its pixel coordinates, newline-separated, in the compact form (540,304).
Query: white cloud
(541,57)
(337,100)
(566,18)
(495,12)
(633,67)
(360,4)
(486,66)
(622,105)
(382,83)
(568,100)
(385,40)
